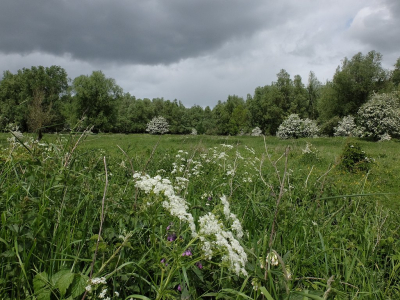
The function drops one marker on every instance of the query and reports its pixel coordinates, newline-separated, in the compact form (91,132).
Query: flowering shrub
(347,127)
(294,127)
(256,132)
(380,116)
(158,125)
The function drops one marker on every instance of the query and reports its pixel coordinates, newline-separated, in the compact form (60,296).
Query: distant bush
(158,125)
(294,127)
(347,127)
(256,132)
(380,116)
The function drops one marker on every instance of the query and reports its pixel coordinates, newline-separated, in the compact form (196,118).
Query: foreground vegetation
(80,216)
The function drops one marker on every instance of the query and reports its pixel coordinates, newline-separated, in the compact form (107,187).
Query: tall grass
(74,221)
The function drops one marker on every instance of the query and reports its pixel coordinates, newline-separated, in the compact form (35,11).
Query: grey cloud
(380,29)
(141,32)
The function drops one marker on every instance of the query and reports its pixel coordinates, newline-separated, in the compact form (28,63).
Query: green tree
(352,84)
(395,76)
(313,95)
(96,99)
(31,94)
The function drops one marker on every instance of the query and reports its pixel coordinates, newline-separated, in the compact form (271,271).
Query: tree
(314,92)
(30,91)
(96,99)
(352,84)
(158,125)
(395,76)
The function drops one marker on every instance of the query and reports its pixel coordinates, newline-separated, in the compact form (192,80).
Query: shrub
(158,125)
(380,116)
(194,131)
(347,127)
(354,159)
(294,127)
(256,132)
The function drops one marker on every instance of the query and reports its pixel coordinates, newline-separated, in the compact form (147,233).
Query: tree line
(43,99)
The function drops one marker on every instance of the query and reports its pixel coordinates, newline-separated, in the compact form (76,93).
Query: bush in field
(256,132)
(347,127)
(158,125)
(380,116)
(194,131)
(354,159)
(294,127)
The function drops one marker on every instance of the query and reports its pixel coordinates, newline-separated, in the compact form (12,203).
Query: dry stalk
(281,192)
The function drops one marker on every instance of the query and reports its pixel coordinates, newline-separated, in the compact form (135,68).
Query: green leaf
(266,293)
(138,297)
(40,281)
(64,280)
(78,285)
(41,287)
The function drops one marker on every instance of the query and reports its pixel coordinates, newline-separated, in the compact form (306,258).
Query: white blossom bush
(158,125)
(347,127)
(256,132)
(295,127)
(194,131)
(380,116)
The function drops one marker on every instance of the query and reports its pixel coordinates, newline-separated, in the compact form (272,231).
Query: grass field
(197,217)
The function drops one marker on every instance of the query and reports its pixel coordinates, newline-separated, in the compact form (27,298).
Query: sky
(196,51)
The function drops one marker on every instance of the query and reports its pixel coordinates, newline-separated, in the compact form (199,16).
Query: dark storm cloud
(143,32)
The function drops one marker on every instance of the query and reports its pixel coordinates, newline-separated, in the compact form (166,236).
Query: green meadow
(197,217)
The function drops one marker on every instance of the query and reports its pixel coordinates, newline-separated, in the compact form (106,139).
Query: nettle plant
(158,125)
(380,116)
(354,159)
(295,127)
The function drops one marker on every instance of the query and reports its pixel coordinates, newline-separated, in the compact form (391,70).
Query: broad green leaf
(64,282)
(78,285)
(40,281)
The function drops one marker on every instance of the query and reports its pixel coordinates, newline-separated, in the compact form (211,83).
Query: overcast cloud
(196,51)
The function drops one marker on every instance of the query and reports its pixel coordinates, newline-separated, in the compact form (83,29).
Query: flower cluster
(215,237)
(176,205)
(294,127)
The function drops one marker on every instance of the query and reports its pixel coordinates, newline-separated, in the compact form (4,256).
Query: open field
(215,217)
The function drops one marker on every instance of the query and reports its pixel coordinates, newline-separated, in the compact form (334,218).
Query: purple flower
(169,226)
(171,237)
(199,265)
(187,253)
(209,198)
(179,288)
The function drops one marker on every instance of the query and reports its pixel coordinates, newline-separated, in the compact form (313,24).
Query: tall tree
(352,84)
(31,93)
(96,97)
(313,94)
